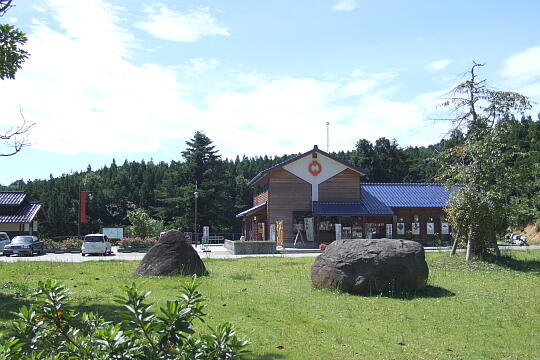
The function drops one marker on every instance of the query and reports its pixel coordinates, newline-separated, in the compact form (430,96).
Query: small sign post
(389,232)
(206,238)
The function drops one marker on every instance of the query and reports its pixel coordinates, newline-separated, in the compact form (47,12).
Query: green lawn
(469,311)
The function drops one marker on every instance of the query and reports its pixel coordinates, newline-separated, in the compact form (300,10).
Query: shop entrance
(375,230)
(351,227)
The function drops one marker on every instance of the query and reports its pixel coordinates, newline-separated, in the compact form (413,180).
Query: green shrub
(49,329)
(66,244)
(136,243)
(142,225)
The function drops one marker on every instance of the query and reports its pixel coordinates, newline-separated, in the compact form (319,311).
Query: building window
(326,224)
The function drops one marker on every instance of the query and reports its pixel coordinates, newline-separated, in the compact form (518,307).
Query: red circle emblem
(315,168)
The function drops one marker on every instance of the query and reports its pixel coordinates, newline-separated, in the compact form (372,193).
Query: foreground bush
(51,330)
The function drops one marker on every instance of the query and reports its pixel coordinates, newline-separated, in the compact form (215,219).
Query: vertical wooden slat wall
(287,193)
(345,186)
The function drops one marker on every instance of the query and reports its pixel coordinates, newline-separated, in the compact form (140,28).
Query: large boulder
(371,266)
(172,255)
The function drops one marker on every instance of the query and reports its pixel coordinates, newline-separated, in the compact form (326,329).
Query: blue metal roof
(12,197)
(368,206)
(24,214)
(408,194)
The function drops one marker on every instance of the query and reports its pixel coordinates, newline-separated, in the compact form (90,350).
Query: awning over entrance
(253,210)
(368,206)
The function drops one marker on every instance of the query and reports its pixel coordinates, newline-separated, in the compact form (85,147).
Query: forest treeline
(165,190)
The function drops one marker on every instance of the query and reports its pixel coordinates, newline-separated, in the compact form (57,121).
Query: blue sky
(134,80)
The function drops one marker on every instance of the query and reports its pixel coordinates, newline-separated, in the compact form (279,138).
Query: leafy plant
(136,243)
(50,329)
(142,225)
(66,244)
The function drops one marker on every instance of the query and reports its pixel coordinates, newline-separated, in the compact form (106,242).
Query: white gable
(315,170)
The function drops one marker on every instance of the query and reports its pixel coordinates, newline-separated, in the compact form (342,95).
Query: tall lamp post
(196,196)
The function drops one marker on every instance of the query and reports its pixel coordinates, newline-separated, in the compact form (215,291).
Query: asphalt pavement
(216,252)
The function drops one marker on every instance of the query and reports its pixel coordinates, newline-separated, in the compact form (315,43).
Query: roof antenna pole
(327,137)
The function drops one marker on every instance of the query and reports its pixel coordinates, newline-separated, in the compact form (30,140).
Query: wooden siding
(345,186)
(259,199)
(287,193)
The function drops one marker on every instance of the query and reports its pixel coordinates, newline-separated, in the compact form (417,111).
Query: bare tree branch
(4,6)
(17,137)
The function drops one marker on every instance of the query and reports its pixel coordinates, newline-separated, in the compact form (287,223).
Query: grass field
(482,310)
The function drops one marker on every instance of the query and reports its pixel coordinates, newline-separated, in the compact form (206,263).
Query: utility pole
(327,136)
(196,196)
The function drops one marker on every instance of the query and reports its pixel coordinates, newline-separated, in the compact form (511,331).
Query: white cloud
(167,24)
(80,83)
(521,73)
(523,66)
(345,5)
(86,93)
(438,65)
(199,66)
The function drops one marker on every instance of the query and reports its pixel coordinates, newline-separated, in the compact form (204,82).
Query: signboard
(338,231)
(272,232)
(308,224)
(389,231)
(206,235)
(430,228)
(113,233)
(189,236)
(415,228)
(445,229)
(401,228)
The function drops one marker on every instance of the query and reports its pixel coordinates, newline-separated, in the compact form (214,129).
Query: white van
(96,244)
(4,240)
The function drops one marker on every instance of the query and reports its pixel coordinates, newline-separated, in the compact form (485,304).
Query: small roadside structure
(368,267)
(18,215)
(172,255)
(250,247)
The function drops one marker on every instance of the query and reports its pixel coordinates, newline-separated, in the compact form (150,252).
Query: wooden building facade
(316,198)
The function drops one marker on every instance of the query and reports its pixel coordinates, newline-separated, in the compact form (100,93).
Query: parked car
(4,240)
(24,245)
(521,241)
(96,244)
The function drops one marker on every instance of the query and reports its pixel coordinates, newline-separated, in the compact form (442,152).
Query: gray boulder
(371,266)
(172,255)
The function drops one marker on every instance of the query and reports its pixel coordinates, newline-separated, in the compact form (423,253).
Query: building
(18,215)
(316,198)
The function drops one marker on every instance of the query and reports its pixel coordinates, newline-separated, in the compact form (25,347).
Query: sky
(134,80)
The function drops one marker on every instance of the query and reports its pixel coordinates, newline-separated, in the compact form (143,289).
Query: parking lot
(216,252)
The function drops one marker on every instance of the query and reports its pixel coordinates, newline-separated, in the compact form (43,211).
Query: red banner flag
(83,206)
